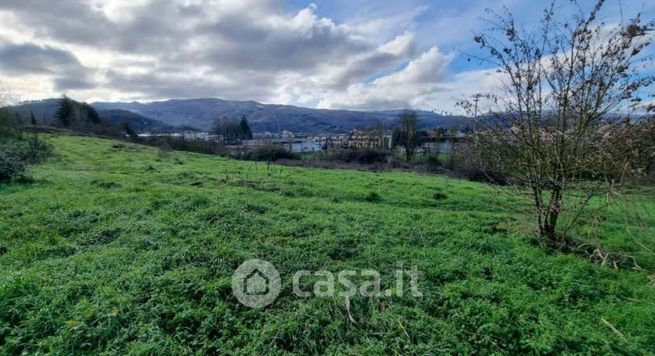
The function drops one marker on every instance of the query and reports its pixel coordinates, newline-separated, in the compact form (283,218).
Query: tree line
(232,131)
(71,113)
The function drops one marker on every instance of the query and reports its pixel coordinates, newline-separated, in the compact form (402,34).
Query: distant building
(296,145)
(287,134)
(333,143)
(369,139)
(441,141)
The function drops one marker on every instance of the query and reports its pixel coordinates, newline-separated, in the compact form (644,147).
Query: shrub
(433,162)
(451,161)
(270,153)
(167,144)
(17,155)
(362,156)
(33,149)
(12,166)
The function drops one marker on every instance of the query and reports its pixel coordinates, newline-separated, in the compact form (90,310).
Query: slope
(116,248)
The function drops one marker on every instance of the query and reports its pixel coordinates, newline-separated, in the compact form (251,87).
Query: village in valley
(432,140)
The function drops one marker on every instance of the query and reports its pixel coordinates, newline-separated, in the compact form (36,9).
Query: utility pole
(476,98)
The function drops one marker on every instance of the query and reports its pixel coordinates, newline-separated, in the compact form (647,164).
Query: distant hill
(202,113)
(175,114)
(44,112)
(137,122)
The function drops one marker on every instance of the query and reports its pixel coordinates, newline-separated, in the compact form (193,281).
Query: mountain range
(202,113)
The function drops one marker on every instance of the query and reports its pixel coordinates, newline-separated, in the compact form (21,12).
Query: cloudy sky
(354,54)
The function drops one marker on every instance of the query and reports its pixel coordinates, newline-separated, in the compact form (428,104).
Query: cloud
(422,76)
(60,65)
(304,41)
(64,20)
(232,49)
(390,54)
(181,84)
(67,83)
(29,58)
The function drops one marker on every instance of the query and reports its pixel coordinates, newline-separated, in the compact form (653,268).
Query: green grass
(116,250)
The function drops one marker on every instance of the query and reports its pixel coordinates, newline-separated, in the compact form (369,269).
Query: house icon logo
(256,283)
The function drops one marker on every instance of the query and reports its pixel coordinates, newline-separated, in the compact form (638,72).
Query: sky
(332,54)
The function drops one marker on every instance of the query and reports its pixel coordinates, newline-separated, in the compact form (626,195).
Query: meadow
(117,248)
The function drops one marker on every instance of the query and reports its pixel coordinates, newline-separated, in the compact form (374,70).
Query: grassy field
(117,249)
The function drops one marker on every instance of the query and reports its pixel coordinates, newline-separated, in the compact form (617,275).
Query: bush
(17,155)
(363,156)
(462,166)
(451,161)
(33,149)
(433,162)
(168,144)
(12,166)
(270,153)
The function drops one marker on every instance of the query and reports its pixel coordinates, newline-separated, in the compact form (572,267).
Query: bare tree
(559,125)
(377,135)
(406,134)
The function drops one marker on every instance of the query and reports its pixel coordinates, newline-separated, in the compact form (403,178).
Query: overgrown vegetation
(18,149)
(269,154)
(172,143)
(559,126)
(117,249)
(181,144)
(361,156)
(11,165)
